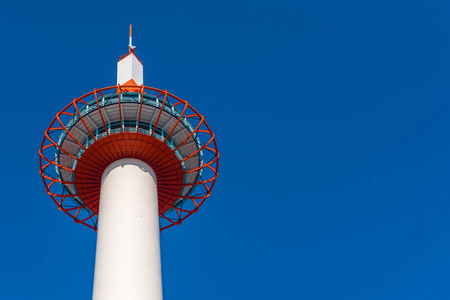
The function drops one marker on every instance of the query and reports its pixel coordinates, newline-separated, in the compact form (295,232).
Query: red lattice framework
(82,205)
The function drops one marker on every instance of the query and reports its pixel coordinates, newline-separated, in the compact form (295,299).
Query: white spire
(130,70)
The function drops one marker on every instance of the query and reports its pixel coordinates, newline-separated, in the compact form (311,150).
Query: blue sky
(331,120)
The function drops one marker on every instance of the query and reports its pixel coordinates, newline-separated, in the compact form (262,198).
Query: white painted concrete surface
(128,260)
(130,68)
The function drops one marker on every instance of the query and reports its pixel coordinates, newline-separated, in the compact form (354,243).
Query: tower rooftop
(130,70)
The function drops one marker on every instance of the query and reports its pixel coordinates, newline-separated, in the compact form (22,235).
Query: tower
(128,161)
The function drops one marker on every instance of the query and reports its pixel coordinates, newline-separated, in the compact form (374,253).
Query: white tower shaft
(128,260)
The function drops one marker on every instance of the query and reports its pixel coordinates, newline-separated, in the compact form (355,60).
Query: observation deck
(130,122)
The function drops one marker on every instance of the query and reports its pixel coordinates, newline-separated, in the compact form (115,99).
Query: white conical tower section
(130,70)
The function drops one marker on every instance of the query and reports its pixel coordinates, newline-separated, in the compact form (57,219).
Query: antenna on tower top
(130,46)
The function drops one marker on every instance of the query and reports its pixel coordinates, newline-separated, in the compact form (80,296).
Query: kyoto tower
(128,161)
